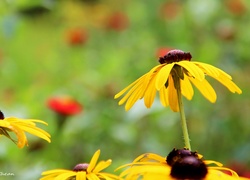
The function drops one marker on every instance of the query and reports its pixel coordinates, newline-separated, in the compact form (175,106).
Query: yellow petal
(108,176)
(164,96)
(211,70)
(186,88)
(136,86)
(205,88)
(92,176)
(150,156)
(172,95)
(35,131)
(66,175)
(150,92)
(229,84)
(81,175)
(4,123)
(215,174)
(93,161)
(102,165)
(162,75)
(21,137)
(137,94)
(221,76)
(194,70)
(128,87)
(55,171)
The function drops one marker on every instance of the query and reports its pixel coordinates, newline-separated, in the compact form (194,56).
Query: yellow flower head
(83,171)
(175,70)
(19,126)
(179,164)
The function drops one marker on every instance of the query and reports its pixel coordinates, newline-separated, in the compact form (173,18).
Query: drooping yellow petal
(162,75)
(108,176)
(137,94)
(21,137)
(209,162)
(102,165)
(35,131)
(93,161)
(92,176)
(186,88)
(164,96)
(128,87)
(205,88)
(207,68)
(55,171)
(150,156)
(211,70)
(4,123)
(137,85)
(172,95)
(81,175)
(66,175)
(221,76)
(213,175)
(229,84)
(150,92)
(195,71)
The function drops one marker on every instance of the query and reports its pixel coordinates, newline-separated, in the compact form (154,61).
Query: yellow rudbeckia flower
(179,164)
(176,69)
(83,171)
(19,127)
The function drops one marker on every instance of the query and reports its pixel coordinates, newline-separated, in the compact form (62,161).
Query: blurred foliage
(41,55)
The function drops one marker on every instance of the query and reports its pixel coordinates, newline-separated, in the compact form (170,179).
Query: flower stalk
(177,76)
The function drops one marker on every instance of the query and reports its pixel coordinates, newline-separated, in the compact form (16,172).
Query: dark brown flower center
(1,115)
(81,167)
(186,165)
(175,56)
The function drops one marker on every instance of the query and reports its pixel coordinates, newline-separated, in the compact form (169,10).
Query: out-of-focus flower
(64,105)
(117,21)
(240,168)
(176,70)
(236,7)
(76,36)
(170,9)
(179,164)
(225,30)
(19,127)
(163,51)
(83,171)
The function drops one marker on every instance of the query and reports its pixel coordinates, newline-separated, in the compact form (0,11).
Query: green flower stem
(177,75)
(183,120)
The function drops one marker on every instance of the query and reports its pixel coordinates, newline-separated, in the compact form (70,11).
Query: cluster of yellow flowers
(173,78)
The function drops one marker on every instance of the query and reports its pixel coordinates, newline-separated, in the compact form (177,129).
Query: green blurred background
(90,50)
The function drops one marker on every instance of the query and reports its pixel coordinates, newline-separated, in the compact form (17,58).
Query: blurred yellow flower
(181,166)
(175,70)
(83,171)
(19,127)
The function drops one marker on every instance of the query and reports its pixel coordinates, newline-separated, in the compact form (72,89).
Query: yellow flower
(175,70)
(83,171)
(19,126)
(179,164)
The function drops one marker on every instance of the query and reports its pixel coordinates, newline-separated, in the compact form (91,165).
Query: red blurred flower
(117,21)
(163,51)
(64,105)
(76,36)
(241,169)
(225,30)
(235,6)
(170,9)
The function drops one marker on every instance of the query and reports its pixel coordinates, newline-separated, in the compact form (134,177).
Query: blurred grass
(38,62)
